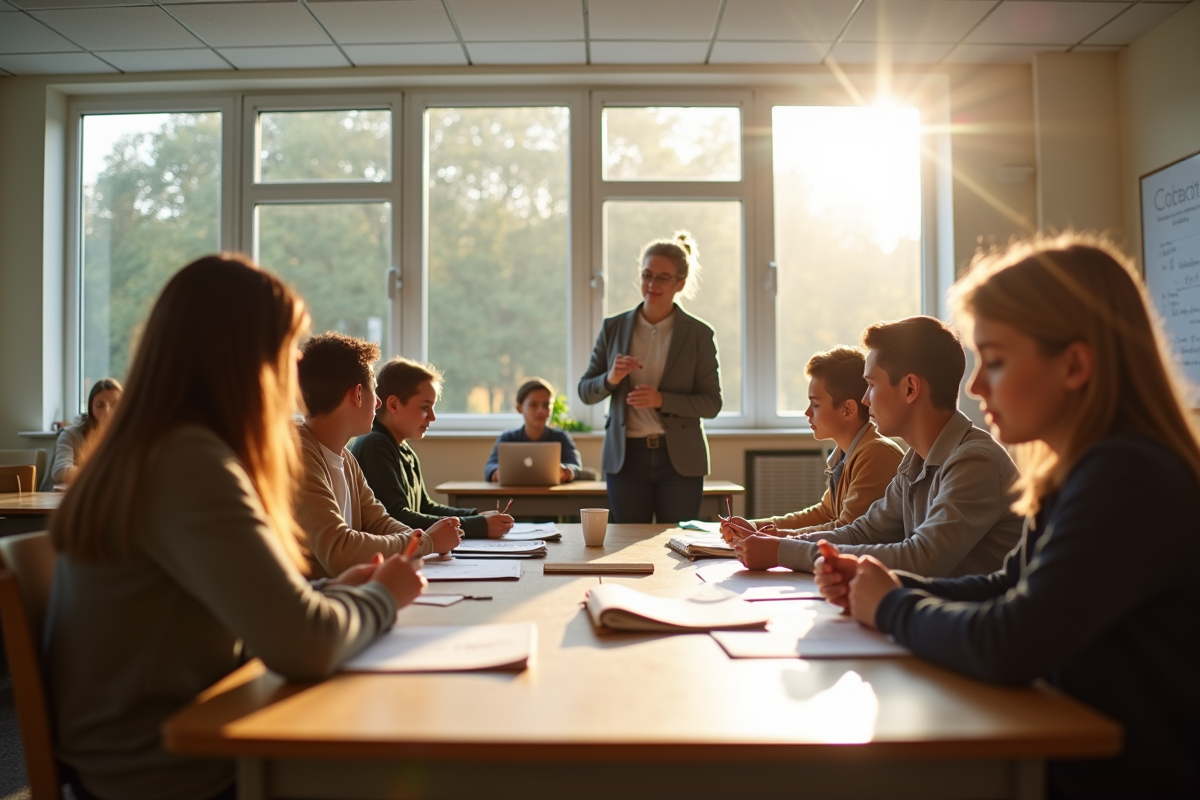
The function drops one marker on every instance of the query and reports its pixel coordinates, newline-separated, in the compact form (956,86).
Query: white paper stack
(499,548)
(529,531)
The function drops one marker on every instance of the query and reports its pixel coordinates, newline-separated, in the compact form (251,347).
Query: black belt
(653,441)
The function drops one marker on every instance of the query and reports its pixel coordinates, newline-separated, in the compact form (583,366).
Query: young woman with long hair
(178,553)
(76,442)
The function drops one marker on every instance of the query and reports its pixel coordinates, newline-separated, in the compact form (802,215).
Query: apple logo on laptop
(528,462)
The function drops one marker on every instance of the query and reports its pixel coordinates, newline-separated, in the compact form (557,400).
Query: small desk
(566,499)
(27,511)
(633,716)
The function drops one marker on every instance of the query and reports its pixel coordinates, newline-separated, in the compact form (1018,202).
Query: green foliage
(559,417)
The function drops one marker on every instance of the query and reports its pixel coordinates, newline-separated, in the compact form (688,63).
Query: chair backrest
(21,478)
(15,458)
(26,573)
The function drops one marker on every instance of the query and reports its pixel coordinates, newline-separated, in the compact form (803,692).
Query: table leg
(251,779)
(1029,780)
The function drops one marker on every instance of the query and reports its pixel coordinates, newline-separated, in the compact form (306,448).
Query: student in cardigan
(946,511)
(535,400)
(177,550)
(658,364)
(408,392)
(76,442)
(345,524)
(860,467)
(1072,371)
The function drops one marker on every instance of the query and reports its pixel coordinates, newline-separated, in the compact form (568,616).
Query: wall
(1158,84)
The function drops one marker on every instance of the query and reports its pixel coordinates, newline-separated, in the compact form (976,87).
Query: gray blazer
(690,386)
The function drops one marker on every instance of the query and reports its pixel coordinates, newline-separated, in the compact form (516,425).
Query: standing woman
(1100,598)
(178,552)
(659,365)
(76,442)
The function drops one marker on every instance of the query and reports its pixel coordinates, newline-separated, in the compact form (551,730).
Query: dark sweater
(1100,599)
(570,453)
(393,472)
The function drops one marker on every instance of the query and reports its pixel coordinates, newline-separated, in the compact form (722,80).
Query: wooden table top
(574,487)
(13,504)
(643,697)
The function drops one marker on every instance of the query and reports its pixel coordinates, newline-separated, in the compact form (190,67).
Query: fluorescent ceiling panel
(650,20)
(527,52)
(22,34)
(768,52)
(385,21)
(656,52)
(1135,23)
(916,20)
(251,24)
(784,20)
(119,28)
(518,20)
(392,55)
(284,57)
(893,52)
(1032,22)
(165,60)
(53,64)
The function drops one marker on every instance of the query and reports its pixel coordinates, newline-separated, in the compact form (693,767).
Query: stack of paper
(618,607)
(448,568)
(498,548)
(448,649)
(811,631)
(701,545)
(528,531)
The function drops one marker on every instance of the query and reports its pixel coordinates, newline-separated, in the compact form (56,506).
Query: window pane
(325,146)
(672,144)
(717,229)
(497,235)
(150,194)
(847,230)
(337,257)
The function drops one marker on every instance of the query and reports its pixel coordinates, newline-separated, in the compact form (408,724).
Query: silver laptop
(529,463)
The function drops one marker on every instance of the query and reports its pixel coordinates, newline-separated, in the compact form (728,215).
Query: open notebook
(620,608)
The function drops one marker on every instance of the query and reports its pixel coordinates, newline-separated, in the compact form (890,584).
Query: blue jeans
(648,489)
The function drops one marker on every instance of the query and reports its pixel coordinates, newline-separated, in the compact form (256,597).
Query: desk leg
(251,779)
(1029,780)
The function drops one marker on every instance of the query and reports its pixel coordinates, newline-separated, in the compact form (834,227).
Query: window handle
(394,282)
(597,280)
(771,280)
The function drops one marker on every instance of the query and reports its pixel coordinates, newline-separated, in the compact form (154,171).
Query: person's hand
(445,534)
(402,578)
(833,573)
(644,397)
(758,551)
(495,477)
(872,580)
(358,574)
(498,523)
(565,474)
(734,529)
(620,368)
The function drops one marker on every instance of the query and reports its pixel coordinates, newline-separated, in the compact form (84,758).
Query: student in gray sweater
(178,554)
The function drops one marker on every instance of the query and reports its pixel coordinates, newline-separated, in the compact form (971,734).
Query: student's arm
(883,522)
(704,400)
(381,469)
(571,459)
(1076,587)
(66,448)
(806,519)
(208,531)
(493,462)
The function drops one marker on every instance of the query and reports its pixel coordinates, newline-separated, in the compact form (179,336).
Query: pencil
(414,541)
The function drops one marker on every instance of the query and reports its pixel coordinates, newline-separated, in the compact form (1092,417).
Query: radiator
(782,481)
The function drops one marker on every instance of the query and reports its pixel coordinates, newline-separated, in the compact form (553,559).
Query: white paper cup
(595,525)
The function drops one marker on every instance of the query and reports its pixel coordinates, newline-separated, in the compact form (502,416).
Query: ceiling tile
(916,20)
(894,52)
(1098,48)
(784,20)
(164,60)
(1043,22)
(391,55)
(251,24)
(518,20)
(527,52)
(768,52)
(5,6)
(1134,23)
(22,34)
(385,21)
(284,57)
(119,28)
(44,4)
(997,53)
(651,20)
(656,52)
(53,64)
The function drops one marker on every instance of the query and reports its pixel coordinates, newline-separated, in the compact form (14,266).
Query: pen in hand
(414,541)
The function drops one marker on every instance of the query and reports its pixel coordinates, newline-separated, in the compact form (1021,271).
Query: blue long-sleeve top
(1101,599)
(570,453)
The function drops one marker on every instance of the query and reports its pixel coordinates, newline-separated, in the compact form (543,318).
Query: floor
(12,758)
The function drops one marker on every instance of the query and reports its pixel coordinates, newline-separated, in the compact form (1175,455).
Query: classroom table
(566,499)
(26,511)
(633,716)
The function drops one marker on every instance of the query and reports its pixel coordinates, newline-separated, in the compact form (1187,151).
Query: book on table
(701,545)
(620,608)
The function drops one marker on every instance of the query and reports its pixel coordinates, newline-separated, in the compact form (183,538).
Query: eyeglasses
(662,279)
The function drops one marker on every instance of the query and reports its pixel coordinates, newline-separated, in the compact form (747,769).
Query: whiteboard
(1171,253)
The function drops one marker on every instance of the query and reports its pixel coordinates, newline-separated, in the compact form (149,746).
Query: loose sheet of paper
(777,583)
(438,599)
(808,630)
(446,648)
(528,531)
(460,569)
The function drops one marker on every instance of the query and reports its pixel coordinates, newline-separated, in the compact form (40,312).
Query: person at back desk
(535,399)
(408,392)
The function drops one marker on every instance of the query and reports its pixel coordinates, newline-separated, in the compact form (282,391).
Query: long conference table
(565,500)
(634,715)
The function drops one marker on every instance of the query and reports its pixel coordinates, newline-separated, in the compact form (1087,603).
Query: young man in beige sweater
(344,523)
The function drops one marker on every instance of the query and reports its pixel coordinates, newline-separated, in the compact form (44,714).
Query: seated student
(535,399)
(76,442)
(408,392)
(343,522)
(862,465)
(178,553)
(946,512)
(1071,369)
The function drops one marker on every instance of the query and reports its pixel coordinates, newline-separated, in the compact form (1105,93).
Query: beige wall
(1158,83)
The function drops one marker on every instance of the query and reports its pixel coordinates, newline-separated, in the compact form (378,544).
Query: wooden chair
(21,478)
(26,572)
(16,458)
